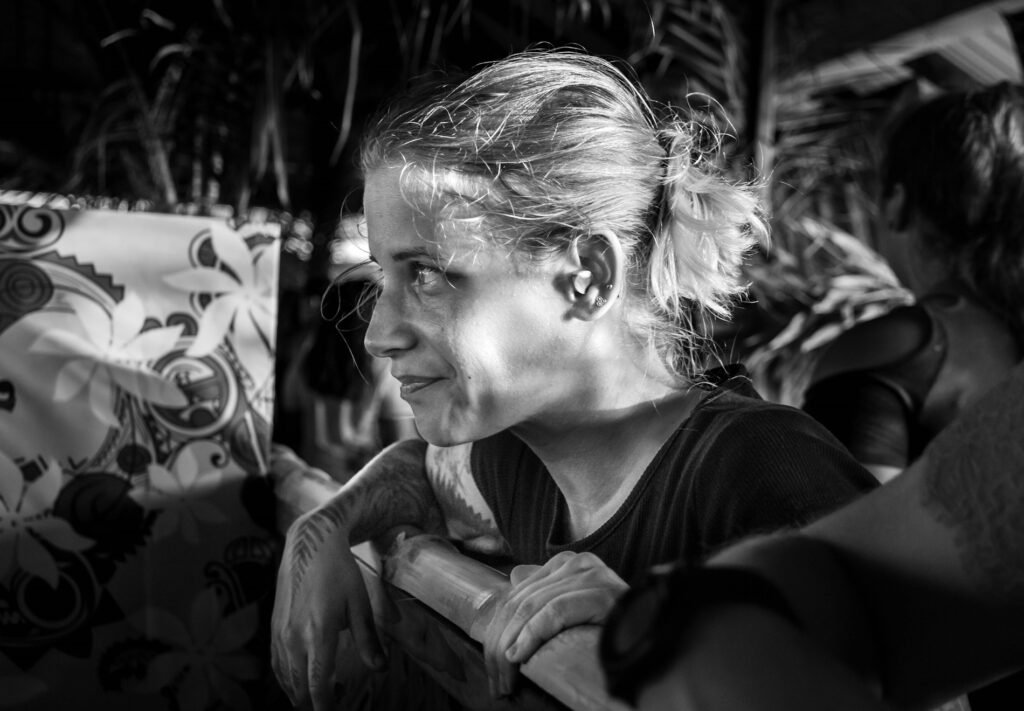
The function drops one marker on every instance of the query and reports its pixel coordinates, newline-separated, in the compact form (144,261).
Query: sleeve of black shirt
(770,469)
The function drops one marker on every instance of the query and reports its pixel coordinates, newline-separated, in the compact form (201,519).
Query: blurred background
(226,107)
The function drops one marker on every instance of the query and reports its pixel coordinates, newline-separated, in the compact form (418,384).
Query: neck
(597,460)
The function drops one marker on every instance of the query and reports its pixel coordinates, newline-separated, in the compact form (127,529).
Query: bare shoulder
(467,515)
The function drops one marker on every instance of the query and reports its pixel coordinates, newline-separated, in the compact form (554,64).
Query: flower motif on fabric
(27,524)
(111,350)
(207,661)
(242,288)
(183,491)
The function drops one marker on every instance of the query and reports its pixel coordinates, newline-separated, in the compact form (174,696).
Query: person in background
(907,597)
(953,203)
(551,247)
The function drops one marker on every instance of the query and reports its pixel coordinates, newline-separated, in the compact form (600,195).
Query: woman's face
(479,343)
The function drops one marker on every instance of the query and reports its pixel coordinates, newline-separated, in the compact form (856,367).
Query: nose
(389,331)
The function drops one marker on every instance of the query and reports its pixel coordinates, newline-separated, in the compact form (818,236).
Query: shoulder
(746,415)
(760,466)
(881,342)
(743,439)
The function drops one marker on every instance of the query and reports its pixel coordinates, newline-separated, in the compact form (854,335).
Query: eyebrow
(413,253)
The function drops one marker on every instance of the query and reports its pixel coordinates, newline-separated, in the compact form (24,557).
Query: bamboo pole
(462,590)
(466,592)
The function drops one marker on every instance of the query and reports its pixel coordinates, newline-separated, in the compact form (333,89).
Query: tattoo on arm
(974,484)
(391,490)
(309,536)
(466,514)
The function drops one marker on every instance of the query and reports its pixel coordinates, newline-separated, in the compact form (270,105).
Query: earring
(600,301)
(581,280)
(609,287)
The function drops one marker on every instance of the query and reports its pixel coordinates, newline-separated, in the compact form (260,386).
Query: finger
(508,673)
(501,673)
(571,607)
(281,673)
(321,671)
(531,587)
(533,591)
(580,590)
(297,683)
(523,572)
(491,667)
(364,629)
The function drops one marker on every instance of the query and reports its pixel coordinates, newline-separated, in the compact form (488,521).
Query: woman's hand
(570,589)
(320,592)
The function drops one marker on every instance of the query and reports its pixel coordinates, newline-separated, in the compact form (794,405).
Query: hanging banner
(137,554)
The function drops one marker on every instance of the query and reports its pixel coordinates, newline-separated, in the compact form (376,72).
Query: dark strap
(644,631)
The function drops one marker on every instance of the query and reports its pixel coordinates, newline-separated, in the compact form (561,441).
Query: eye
(427,276)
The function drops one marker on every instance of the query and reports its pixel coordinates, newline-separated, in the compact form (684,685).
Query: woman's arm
(320,590)
(916,589)
(939,554)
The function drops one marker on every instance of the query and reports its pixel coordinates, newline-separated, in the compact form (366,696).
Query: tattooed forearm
(391,490)
(974,484)
(310,533)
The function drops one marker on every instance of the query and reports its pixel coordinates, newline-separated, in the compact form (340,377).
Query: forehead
(405,209)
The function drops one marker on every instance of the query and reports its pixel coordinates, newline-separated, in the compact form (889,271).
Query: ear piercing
(581,283)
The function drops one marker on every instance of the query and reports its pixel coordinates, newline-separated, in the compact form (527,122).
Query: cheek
(498,354)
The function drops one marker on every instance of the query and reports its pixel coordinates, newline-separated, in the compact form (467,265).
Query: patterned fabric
(137,552)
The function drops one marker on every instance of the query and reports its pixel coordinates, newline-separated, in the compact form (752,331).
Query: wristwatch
(643,632)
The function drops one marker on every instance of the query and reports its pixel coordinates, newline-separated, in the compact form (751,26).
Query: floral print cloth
(137,546)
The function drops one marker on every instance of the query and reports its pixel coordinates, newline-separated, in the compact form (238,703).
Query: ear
(895,208)
(597,266)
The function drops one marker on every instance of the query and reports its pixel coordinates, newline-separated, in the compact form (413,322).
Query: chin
(440,432)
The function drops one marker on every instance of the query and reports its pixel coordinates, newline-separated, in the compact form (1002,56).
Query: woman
(550,252)
(953,199)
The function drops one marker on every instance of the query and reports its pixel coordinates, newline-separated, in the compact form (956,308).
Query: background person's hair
(960,159)
(546,146)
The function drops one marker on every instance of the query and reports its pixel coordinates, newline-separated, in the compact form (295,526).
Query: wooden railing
(434,603)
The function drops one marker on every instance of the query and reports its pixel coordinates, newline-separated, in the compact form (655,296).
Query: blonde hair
(547,145)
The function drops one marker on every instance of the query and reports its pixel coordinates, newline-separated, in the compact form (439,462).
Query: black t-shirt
(737,465)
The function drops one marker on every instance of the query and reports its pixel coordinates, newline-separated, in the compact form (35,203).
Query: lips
(414,383)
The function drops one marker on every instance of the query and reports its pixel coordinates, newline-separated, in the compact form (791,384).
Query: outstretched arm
(939,554)
(916,589)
